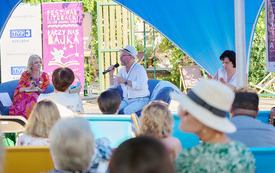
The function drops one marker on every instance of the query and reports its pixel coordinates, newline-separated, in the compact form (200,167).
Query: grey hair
(72,144)
(30,62)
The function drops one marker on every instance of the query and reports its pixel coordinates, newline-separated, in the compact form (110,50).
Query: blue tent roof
(6,8)
(201,29)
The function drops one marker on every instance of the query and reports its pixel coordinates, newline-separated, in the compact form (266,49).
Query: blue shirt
(252,132)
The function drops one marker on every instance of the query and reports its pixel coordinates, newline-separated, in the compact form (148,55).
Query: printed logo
(17,70)
(20,33)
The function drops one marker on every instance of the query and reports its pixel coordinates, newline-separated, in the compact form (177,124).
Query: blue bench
(117,128)
(265,159)
(163,93)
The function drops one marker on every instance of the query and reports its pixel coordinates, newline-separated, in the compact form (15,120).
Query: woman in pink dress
(32,82)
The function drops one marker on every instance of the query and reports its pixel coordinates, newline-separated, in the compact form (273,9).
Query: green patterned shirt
(219,157)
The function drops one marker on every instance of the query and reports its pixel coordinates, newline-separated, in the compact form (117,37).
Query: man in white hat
(133,80)
(251,131)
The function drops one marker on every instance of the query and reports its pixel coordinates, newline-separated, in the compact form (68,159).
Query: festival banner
(270,34)
(20,39)
(63,37)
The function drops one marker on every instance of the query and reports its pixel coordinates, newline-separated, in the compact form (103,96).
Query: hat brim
(203,115)
(135,56)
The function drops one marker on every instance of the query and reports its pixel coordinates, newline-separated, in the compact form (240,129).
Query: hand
(31,87)
(210,77)
(119,79)
(112,69)
(223,81)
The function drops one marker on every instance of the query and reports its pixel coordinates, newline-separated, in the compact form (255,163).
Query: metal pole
(154,59)
(240,43)
(144,35)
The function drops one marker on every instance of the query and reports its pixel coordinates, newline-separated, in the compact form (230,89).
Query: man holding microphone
(133,80)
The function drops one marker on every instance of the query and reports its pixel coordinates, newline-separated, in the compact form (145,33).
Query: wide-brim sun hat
(209,102)
(131,50)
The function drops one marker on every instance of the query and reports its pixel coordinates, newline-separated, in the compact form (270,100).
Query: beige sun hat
(131,50)
(209,102)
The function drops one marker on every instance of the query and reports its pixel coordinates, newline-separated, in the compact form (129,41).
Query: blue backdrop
(202,29)
(6,9)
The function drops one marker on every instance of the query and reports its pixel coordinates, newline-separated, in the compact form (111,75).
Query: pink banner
(63,37)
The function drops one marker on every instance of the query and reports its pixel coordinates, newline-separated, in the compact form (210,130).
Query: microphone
(34,83)
(106,71)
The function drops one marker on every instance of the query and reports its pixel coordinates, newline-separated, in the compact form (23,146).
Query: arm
(228,84)
(23,83)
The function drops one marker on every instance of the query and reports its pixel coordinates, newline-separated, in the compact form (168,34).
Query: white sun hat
(131,50)
(209,102)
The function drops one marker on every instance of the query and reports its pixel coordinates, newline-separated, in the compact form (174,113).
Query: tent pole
(240,43)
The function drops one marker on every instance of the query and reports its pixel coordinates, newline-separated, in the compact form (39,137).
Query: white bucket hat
(131,50)
(209,102)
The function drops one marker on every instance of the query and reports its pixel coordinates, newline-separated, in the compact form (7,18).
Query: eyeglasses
(124,55)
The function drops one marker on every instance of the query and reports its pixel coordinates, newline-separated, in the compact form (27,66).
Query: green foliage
(177,58)
(257,69)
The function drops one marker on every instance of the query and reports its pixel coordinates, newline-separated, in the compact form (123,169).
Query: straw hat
(209,102)
(131,50)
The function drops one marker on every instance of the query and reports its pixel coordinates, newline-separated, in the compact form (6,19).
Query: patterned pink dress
(24,102)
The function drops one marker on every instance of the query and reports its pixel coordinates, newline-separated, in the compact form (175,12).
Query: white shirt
(137,75)
(70,101)
(223,74)
(25,140)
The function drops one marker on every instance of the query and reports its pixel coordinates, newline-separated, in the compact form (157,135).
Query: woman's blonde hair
(30,62)
(156,120)
(42,118)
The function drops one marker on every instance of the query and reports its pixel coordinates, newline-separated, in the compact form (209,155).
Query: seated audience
(62,78)
(42,119)
(203,112)
(157,121)
(251,131)
(141,155)
(72,146)
(109,102)
(2,152)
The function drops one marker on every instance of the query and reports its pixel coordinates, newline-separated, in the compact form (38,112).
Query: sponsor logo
(20,33)
(17,70)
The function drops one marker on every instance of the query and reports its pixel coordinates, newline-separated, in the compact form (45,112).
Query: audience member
(141,155)
(72,146)
(133,80)
(227,74)
(31,83)
(203,112)
(2,151)
(109,102)
(62,78)
(250,131)
(157,121)
(42,119)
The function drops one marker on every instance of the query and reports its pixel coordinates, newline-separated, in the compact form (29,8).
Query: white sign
(20,39)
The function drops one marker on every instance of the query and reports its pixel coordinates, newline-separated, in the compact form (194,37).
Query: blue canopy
(202,29)
(6,8)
